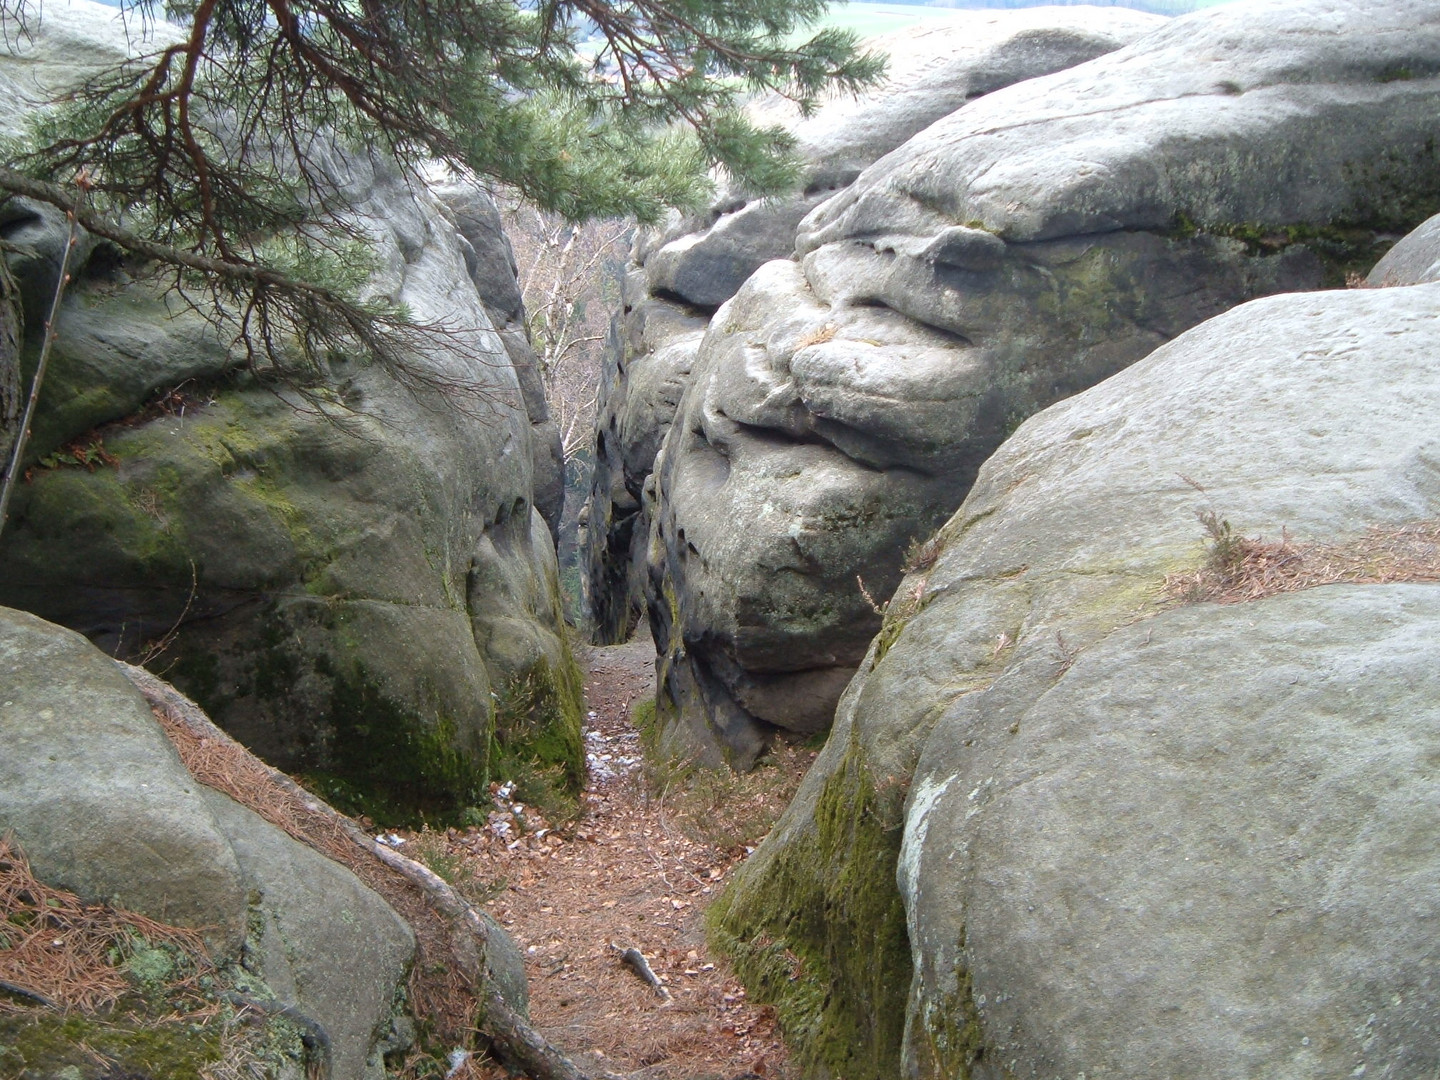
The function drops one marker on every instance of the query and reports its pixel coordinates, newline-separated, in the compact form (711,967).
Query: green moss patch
(819,930)
(35,1045)
(389,762)
(537,738)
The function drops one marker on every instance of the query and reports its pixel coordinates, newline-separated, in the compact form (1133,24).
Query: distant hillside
(1159,7)
(869,18)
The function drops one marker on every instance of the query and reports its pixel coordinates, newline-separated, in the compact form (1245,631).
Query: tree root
(518,1045)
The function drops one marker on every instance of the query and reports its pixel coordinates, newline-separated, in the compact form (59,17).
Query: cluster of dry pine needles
(1241,569)
(59,952)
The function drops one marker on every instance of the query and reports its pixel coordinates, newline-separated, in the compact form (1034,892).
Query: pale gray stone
(1029,245)
(1194,824)
(1414,260)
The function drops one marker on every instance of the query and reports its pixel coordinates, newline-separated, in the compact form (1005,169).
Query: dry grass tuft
(56,950)
(1241,569)
(724,810)
(921,556)
(819,336)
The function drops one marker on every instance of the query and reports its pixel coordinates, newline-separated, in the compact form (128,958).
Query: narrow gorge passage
(635,870)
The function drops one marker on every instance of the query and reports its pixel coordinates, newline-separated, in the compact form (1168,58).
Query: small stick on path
(635,960)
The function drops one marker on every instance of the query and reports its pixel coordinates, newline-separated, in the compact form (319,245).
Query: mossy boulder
(1030,244)
(96,796)
(345,567)
(1128,812)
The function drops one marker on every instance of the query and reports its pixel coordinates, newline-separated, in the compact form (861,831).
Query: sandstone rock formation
(1028,245)
(1138,832)
(356,582)
(935,67)
(682,273)
(1413,261)
(97,797)
(491,266)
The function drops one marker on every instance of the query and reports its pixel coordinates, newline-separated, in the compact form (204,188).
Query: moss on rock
(820,932)
(391,762)
(537,737)
(41,1046)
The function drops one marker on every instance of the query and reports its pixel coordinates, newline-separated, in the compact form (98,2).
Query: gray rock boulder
(97,797)
(322,941)
(682,272)
(935,67)
(96,794)
(349,580)
(1109,809)
(1029,245)
(1413,261)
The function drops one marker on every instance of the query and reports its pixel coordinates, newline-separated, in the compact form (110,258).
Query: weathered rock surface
(1196,824)
(349,584)
(97,797)
(648,357)
(683,272)
(1032,243)
(490,262)
(935,67)
(1414,260)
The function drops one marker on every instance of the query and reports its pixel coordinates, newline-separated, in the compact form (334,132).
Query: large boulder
(352,576)
(1413,261)
(1029,245)
(97,797)
(682,272)
(1111,807)
(935,67)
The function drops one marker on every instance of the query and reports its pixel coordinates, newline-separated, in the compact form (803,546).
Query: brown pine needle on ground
(652,847)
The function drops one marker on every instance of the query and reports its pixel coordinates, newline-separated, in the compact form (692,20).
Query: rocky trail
(635,870)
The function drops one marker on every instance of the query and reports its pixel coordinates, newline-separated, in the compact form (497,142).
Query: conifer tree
(210,155)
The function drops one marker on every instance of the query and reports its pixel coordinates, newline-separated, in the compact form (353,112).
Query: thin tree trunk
(12,337)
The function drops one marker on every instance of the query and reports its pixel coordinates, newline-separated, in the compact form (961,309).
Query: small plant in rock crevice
(1239,568)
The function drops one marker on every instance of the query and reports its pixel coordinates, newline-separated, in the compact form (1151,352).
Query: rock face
(935,68)
(1030,244)
(682,273)
(98,798)
(648,358)
(491,266)
(359,585)
(1413,261)
(1113,810)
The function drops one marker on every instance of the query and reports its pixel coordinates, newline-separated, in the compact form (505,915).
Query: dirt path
(635,871)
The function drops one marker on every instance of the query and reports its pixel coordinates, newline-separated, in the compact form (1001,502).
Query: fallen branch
(518,1045)
(635,960)
(17,991)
